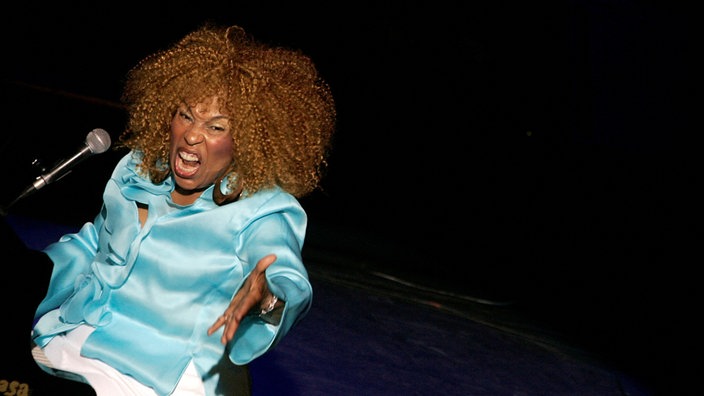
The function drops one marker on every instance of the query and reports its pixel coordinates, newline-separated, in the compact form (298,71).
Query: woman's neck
(185,197)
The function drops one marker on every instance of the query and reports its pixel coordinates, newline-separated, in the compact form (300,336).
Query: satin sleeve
(281,232)
(72,256)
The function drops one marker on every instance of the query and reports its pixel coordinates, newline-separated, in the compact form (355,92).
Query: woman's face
(201,148)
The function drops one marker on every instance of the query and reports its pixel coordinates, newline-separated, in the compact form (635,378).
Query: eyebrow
(189,108)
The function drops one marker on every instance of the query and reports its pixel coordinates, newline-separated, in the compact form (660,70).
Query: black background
(542,154)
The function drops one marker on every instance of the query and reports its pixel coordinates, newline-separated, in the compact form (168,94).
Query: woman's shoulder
(128,176)
(274,196)
(268,201)
(126,167)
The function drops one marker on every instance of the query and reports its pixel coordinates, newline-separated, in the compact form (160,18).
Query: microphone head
(98,141)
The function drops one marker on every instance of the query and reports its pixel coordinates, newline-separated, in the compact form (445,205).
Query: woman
(193,266)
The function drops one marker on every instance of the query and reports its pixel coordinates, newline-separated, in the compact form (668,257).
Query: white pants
(64,353)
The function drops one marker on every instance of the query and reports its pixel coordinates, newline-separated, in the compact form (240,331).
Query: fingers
(265,262)
(231,323)
(233,315)
(247,297)
(221,321)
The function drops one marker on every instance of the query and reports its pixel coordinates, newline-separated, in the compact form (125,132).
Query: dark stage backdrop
(507,150)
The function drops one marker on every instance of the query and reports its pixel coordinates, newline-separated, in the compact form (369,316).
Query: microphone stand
(4,210)
(37,164)
(97,141)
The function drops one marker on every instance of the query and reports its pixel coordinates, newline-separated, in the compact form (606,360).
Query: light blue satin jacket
(152,291)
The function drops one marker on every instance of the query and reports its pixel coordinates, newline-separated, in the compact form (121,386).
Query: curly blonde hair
(283,111)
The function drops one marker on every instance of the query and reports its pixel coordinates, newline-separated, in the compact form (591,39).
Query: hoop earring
(221,199)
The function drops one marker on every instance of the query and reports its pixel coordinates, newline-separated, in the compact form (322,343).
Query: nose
(193,135)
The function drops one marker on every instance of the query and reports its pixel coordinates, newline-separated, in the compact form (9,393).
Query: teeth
(186,168)
(188,156)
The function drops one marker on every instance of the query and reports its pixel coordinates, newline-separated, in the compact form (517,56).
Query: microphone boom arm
(97,141)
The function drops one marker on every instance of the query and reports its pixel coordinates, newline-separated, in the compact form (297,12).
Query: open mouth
(186,164)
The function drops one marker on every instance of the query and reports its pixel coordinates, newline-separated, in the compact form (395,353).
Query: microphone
(97,142)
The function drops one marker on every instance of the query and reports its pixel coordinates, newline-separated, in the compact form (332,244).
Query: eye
(184,115)
(217,129)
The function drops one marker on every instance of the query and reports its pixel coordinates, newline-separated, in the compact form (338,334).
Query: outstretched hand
(249,297)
